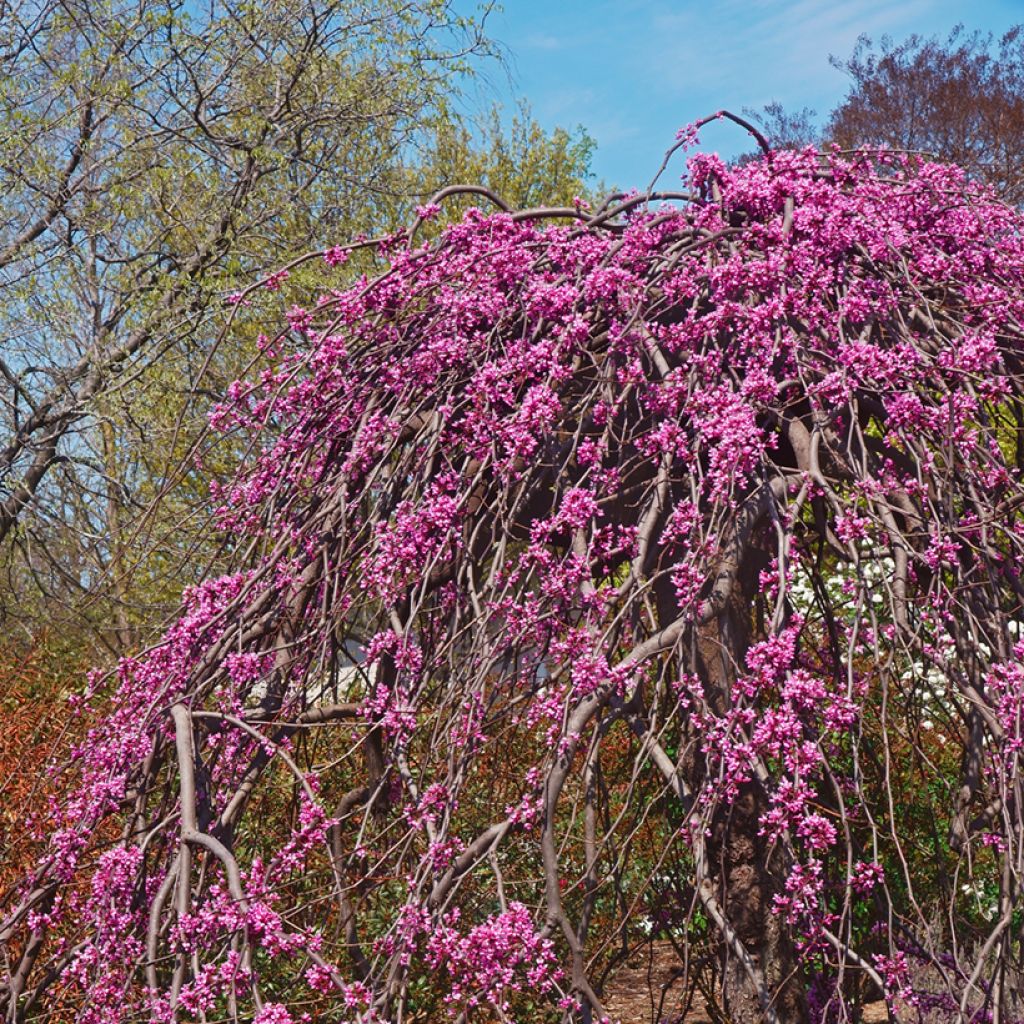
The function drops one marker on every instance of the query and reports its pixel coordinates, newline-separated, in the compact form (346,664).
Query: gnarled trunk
(746,871)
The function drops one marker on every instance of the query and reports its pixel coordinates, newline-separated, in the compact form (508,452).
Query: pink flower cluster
(503,954)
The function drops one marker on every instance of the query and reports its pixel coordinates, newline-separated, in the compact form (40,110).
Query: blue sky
(633,71)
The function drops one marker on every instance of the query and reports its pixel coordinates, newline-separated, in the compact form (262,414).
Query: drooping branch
(656,551)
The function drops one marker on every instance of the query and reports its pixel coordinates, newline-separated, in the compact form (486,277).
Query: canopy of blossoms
(644,572)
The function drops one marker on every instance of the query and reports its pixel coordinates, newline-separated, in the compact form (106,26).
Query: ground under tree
(643,572)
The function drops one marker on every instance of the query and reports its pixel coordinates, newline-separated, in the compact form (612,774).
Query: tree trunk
(747,878)
(745,872)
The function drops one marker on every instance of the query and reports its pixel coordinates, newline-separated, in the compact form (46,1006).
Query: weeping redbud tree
(644,574)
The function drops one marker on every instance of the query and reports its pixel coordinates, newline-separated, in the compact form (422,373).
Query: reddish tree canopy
(960,99)
(651,571)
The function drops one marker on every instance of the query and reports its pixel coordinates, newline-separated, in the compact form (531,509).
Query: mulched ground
(652,981)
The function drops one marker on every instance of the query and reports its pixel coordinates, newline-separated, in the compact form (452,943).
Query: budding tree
(645,571)
(960,98)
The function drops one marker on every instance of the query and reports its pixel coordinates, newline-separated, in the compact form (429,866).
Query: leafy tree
(515,159)
(598,575)
(154,156)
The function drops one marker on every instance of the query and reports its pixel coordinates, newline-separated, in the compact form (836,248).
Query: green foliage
(518,160)
(155,158)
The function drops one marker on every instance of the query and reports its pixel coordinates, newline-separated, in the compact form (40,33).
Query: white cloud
(542,41)
(778,47)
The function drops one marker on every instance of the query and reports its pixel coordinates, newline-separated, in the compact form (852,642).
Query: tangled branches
(650,572)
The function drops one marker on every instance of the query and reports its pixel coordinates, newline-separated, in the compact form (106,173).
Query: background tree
(587,566)
(786,130)
(515,159)
(153,156)
(959,99)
